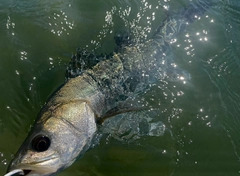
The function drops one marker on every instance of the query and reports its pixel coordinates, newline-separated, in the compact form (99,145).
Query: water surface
(193,128)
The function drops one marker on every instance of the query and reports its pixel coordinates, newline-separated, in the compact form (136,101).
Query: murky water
(194,127)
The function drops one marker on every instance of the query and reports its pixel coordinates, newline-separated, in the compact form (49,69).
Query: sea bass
(68,121)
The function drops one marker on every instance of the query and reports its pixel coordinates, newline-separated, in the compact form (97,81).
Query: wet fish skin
(68,119)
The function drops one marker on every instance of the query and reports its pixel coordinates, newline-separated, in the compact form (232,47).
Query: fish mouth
(29,172)
(44,167)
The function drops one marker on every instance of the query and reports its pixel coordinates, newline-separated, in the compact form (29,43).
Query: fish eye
(40,143)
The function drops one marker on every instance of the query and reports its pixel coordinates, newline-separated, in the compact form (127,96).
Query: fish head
(58,138)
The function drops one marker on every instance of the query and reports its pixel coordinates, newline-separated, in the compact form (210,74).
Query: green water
(201,117)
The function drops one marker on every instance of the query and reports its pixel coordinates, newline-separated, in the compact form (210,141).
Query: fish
(67,123)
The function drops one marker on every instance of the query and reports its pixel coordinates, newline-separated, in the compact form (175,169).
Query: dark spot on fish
(40,143)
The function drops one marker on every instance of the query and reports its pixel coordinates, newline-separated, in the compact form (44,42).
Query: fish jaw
(44,168)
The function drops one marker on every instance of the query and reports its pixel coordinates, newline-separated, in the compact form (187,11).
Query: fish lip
(46,159)
(40,167)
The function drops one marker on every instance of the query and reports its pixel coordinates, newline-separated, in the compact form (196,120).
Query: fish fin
(83,60)
(79,62)
(118,110)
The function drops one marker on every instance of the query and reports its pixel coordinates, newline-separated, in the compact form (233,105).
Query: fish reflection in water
(68,122)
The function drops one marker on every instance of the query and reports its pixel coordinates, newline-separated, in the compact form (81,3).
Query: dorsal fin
(83,60)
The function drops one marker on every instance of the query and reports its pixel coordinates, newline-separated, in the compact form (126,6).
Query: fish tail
(177,23)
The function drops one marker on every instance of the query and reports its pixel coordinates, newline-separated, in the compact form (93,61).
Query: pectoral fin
(118,110)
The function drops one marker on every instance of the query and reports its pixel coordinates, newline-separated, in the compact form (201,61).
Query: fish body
(67,123)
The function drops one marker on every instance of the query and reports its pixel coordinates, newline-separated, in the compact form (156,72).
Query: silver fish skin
(66,124)
(68,121)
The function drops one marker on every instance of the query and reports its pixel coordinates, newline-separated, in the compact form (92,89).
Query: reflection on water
(192,128)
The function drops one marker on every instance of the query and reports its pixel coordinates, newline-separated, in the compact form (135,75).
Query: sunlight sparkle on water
(209,124)
(17,72)
(23,55)
(181,78)
(60,23)
(10,25)
(180,93)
